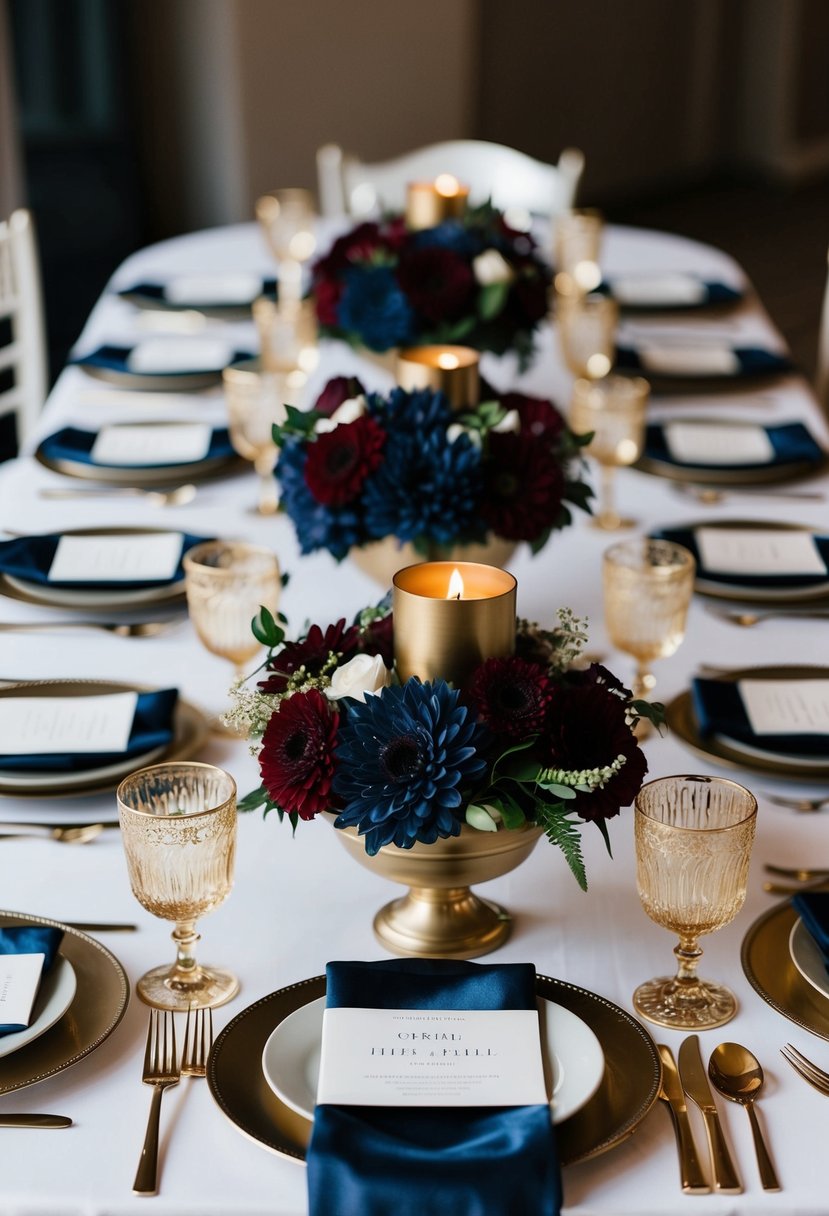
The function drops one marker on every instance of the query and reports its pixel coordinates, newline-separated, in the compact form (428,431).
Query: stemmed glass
(587,331)
(577,242)
(693,845)
(226,583)
(256,399)
(613,409)
(647,590)
(178,826)
(287,219)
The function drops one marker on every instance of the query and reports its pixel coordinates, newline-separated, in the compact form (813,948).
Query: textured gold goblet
(613,410)
(693,845)
(256,399)
(287,219)
(227,582)
(178,827)
(587,331)
(577,242)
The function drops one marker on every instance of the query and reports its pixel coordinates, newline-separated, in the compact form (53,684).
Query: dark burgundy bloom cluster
(511,696)
(297,760)
(341,460)
(312,652)
(524,487)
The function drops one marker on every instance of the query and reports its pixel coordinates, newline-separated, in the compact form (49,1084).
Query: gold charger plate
(144,476)
(190,729)
(771,972)
(98,1006)
(681,719)
(629,1088)
(154,382)
(762,475)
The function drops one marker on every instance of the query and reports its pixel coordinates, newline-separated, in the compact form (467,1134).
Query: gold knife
(691,1176)
(35,1121)
(695,1083)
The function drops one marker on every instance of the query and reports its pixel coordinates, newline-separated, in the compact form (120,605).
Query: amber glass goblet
(227,582)
(587,332)
(577,242)
(613,410)
(255,400)
(287,219)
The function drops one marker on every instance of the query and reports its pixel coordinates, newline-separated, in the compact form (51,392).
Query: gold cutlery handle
(691,1176)
(768,1174)
(726,1178)
(147,1173)
(35,1121)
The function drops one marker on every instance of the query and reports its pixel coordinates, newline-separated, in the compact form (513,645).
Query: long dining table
(299,900)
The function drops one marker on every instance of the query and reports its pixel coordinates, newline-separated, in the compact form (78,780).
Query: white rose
(347,411)
(364,674)
(490,267)
(509,424)
(455,431)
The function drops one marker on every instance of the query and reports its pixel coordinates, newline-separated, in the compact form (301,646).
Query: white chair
(822,372)
(21,304)
(513,180)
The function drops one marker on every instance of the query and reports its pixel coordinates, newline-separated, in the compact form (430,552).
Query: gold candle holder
(451,616)
(430,203)
(452,370)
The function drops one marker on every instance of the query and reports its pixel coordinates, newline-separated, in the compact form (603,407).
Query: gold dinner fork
(804,1068)
(198,1039)
(160,1071)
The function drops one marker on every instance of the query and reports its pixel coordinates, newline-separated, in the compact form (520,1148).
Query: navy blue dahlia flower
(373,306)
(405,756)
(317,526)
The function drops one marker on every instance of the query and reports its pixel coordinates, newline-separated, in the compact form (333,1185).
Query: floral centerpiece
(472,280)
(529,739)
(360,468)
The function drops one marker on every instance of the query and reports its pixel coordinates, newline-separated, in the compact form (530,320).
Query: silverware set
(814,1076)
(748,620)
(120,629)
(63,833)
(179,496)
(800,879)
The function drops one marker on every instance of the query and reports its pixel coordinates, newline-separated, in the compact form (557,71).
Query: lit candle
(451,616)
(430,203)
(452,370)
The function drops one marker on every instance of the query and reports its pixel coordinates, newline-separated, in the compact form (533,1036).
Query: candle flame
(448,362)
(455,591)
(447,185)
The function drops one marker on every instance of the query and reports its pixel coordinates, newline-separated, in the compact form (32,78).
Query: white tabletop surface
(298,903)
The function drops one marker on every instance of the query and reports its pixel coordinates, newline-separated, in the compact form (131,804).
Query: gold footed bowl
(381,559)
(441,917)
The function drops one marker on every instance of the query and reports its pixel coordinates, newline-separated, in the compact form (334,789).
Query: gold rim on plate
(190,729)
(681,720)
(767,474)
(154,382)
(144,476)
(770,970)
(99,1004)
(629,1088)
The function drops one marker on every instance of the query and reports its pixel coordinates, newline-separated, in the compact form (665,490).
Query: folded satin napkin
(792,443)
(197,299)
(751,361)
(30,558)
(685,536)
(71,443)
(30,939)
(115,359)
(720,710)
(432,1161)
(813,907)
(152,727)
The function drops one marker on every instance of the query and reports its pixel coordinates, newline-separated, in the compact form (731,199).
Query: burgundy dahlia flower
(438,283)
(311,653)
(511,696)
(523,489)
(297,756)
(336,391)
(339,461)
(539,418)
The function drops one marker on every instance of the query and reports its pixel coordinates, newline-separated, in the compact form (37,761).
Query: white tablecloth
(297,903)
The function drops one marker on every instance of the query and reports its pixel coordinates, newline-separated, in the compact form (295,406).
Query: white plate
(291,1058)
(54,997)
(77,597)
(807,958)
(45,780)
(763,753)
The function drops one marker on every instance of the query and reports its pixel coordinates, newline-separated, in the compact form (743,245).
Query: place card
(431,1057)
(116,559)
(152,445)
(658,290)
(215,289)
(19,981)
(786,707)
(157,356)
(690,360)
(740,551)
(32,726)
(699,443)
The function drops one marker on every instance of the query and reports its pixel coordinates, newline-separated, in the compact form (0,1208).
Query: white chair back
(511,179)
(21,304)
(822,373)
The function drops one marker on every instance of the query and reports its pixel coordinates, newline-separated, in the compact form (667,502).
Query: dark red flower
(586,728)
(529,292)
(340,460)
(336,391)
(523,487)
(511,696)
(378,638)
(327,294)
(539,417)
(311,653)
(355,246)
(297,756)
(439,284)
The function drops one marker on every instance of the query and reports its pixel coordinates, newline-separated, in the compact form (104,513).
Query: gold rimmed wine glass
(287,218)
(693,846)
(227,582)
(577,242)
(614,410)
(647,590)
(587,332)
(178,827)
(287,336)
(256,399)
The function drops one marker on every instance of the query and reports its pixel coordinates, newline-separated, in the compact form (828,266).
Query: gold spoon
(748,619)
(159,498)
(125,629)
(78,834)
(737,1074)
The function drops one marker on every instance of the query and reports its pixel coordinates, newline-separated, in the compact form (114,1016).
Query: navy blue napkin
(813,907)
(71,443)
(30,558)
(792,443)
(30,939)
(685,536)
(715,294)
(152,727)
(158,291)
(752,361)
(437,1161)
(719,710)
(114,359)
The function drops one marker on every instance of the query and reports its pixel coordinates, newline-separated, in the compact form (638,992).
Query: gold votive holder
(430,203)
(451,370)
(451,616)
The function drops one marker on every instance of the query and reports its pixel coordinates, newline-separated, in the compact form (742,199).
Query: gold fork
(804,1068)
(198,1040)
(160,1071)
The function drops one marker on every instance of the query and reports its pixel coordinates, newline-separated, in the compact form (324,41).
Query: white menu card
(786,707)
(690,360)
(431,1057)
(19,982)
(179,443)
(31,726)
(740,551)
(659,289)
(114,559)
(706,443)
(157,356)
(214,289)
